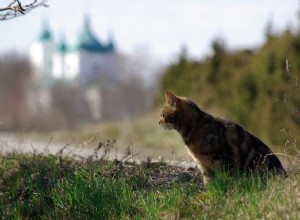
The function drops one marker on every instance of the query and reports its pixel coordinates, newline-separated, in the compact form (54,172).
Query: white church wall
(58,65)
(72,65)
(92,66)
(65,65)
(37,60)
(41,54)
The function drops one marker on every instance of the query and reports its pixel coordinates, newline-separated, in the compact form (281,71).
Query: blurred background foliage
(256,87)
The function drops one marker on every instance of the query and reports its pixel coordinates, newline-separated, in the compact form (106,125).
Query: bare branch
(16,8)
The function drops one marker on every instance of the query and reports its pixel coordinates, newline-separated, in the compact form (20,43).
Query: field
(132,185)
(142,136)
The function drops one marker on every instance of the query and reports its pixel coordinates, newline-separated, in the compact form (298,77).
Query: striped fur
(217,143)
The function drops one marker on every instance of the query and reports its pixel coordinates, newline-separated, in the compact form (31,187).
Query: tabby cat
(216,143)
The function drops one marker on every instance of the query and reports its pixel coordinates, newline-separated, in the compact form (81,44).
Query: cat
(215,143)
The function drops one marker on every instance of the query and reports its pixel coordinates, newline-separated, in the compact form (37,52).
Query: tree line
(257,87)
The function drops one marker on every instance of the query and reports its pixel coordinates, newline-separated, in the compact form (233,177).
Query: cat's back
(227,143)
(249,152)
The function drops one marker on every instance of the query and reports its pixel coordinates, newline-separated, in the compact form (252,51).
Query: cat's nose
(160,121)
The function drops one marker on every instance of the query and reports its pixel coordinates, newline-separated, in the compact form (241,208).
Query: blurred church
(88,64)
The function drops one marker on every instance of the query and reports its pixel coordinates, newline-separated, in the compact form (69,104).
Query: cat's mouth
(167,126)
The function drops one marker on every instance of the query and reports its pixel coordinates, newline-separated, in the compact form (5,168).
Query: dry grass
(142,135)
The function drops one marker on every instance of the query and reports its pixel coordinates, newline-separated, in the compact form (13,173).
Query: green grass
(50,187)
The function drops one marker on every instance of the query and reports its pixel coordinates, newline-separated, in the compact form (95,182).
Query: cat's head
(179,111)
(170,111)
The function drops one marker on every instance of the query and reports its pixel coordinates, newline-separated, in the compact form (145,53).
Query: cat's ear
(171,98)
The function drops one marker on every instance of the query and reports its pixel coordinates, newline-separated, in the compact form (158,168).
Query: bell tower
(41,55)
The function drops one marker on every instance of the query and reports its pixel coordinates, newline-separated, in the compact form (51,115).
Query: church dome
(45,34)
(87,40)
(62,45)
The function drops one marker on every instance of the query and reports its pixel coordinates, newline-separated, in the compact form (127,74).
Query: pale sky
(157,27)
